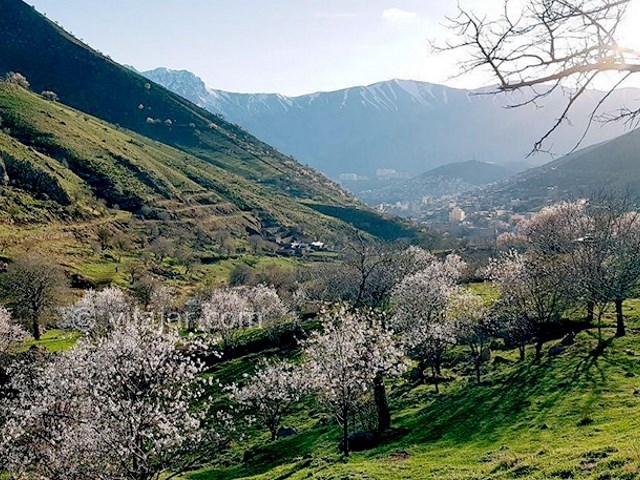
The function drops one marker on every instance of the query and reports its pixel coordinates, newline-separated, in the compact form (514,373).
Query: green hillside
(118,164)
(66,178)
(219,162)
(612,165)
(53,60)
(575,415)
(76,167)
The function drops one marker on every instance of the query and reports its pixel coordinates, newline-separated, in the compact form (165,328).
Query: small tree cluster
(369,273)
(18,79)
(577,253)
(98,312)
(226,312)
(533,293)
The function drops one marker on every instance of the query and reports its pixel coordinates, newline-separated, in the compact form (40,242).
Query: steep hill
(472,172)
(53,60)
(612,165)
(399,124)
(213,159)
(78,167)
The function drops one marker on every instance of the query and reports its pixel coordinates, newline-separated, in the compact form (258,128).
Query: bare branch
(553,44)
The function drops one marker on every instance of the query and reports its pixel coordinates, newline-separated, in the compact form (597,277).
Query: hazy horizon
(289,48)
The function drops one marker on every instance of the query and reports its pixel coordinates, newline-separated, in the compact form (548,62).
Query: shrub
(18,79)
(49,95)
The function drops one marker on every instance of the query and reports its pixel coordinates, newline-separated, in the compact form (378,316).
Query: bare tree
(105,237)
(32,288)
(547,46)
(372,270)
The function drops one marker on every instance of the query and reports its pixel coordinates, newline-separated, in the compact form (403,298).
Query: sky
(291,47)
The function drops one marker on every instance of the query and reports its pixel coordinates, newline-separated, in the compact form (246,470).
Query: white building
(456,215)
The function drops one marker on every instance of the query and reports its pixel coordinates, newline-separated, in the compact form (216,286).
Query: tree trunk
(539,345)
(439,368)
(345,431)
(36,329)
(382,405)
(478,363)
(436,376)
(590,312)
(522,351)
(421,368)
(621,331)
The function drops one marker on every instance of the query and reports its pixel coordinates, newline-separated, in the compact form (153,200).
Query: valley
(403,279)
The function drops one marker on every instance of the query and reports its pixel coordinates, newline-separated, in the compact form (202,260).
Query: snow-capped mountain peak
(406,125)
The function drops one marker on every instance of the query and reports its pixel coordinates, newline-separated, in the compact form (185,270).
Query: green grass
(55,340)
(486,290)
(575,415)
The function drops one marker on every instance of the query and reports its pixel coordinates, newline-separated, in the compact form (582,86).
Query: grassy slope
(572,416)
(85,79)
(71,174)
(90,158)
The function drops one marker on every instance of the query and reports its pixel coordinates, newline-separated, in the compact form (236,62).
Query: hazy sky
(286,46)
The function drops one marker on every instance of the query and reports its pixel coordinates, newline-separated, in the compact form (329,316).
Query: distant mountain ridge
(400,124)
(472,172)
(444,181)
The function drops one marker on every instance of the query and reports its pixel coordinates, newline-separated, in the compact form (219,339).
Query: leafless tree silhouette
(538,47)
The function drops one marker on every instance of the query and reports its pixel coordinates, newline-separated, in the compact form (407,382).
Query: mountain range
(89,148)
(403,125)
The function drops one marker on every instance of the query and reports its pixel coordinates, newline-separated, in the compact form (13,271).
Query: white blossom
(421,306)
(343,361)
(128,405)
(229,311)
(97,312)
(269,394)
(11,334)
